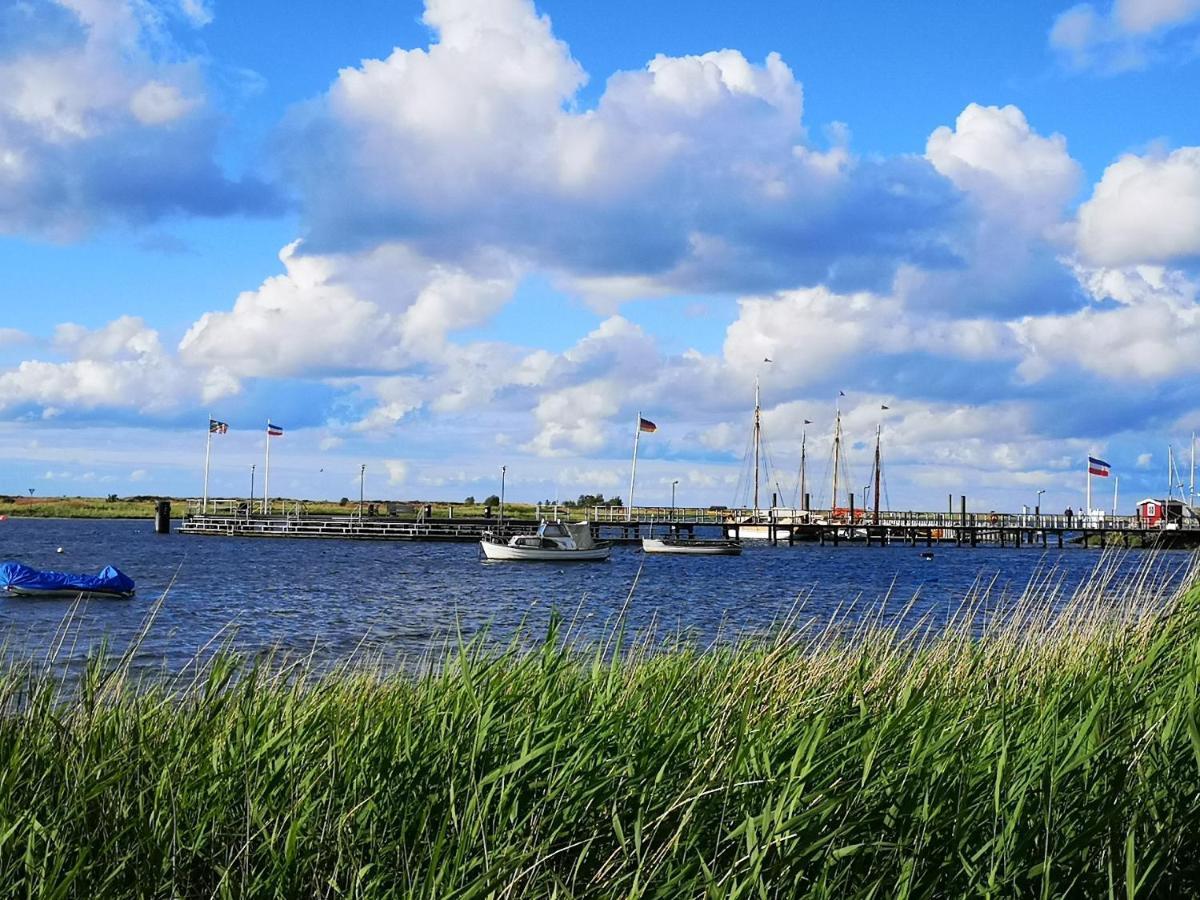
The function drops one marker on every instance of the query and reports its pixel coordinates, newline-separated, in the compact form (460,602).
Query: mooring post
(162,517)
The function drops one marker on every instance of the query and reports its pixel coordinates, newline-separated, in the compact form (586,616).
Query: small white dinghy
(553,542)
(691,546)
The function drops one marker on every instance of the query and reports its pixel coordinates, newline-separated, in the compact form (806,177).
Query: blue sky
(438,238)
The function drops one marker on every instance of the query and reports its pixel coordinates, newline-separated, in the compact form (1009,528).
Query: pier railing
(292,510)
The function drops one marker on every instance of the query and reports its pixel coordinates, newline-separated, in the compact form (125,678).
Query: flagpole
(207,453)
(1116,487)
(1088,506)
(637,434)
(267,472)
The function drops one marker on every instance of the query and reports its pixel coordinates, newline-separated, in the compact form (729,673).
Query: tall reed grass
(1054,751)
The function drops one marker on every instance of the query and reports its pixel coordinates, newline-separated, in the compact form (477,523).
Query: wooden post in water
(162,517)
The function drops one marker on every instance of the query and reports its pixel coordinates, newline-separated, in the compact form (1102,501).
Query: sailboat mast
(757,440)
(837,454)
(1170,472)
(803,454)
(1192,481)
(878,430)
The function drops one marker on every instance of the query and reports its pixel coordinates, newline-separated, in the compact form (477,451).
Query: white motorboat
(691,546)
(553,542)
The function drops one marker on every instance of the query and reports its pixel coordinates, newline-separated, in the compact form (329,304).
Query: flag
(1098,467)
(885,407)
(274,430)
(215,427)
(808,421)
(646,425)
(766,359)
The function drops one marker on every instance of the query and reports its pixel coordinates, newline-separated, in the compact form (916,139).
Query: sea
(334,601)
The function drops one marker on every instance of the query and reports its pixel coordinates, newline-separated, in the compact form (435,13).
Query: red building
(1164,512)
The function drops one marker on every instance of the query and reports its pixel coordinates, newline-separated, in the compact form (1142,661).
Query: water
(332,598)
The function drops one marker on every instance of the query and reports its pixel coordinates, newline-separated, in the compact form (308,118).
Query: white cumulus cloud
(1145,209)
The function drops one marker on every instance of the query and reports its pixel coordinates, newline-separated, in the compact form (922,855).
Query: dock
(776,526)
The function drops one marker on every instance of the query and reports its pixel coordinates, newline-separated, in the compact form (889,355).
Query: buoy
(59,550)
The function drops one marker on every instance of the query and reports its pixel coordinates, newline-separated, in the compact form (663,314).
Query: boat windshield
(554,529)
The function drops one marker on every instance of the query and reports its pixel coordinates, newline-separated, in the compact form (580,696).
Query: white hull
(536,554)
(693,548)
(753,532)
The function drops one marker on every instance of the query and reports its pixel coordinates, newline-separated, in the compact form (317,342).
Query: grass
(76,508)
(143,508)
(1049,751)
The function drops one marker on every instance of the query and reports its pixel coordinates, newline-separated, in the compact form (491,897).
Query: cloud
(1129,35)
(103,118)
(382,309)
(397,471)
(694,172)
(1145,209)
(994,156)
(1151,334)
(122,365)
(10,337)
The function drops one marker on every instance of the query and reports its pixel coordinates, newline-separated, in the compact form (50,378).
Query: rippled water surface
(400,598)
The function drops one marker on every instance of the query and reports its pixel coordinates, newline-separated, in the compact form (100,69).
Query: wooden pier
(776,527)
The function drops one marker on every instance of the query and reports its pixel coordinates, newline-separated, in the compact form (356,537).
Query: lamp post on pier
(250,505)
(673,483)
(1037,505)
(362,477)
(503,474)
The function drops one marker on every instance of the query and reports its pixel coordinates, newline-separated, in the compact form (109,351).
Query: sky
(437,239)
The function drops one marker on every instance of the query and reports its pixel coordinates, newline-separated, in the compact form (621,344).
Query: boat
(19,580)
(553,542)
(759,524)
(691,546)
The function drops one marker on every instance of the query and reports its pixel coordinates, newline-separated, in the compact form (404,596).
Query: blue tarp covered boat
(19,580)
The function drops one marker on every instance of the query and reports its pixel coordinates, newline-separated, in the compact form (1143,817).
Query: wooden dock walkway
(775,527)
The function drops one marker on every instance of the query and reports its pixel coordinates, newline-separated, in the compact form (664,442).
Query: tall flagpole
(1192,483)
(637,434)
(207,453)
(1088,506)
(1116,488)
(267,472)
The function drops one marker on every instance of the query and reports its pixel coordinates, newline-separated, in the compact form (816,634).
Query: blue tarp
(25,578)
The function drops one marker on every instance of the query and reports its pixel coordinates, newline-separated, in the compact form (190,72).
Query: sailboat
(757,524)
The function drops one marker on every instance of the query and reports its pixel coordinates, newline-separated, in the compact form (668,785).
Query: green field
(143,508)
(77,508)
(1049,756)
